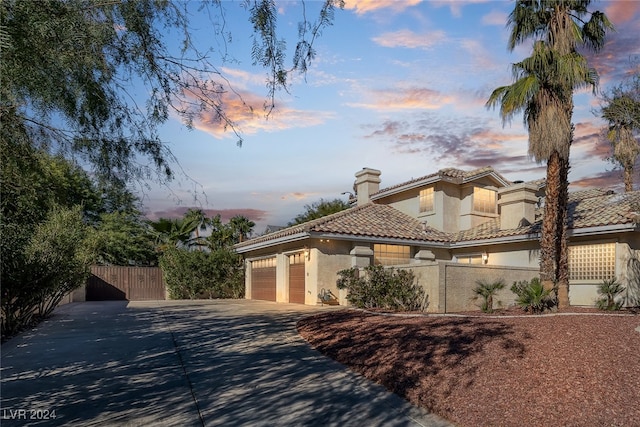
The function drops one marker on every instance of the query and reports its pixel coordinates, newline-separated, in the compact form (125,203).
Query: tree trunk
(562,271)
(548,248)
(628,180)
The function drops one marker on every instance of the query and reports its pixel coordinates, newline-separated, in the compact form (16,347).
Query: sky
(398,86)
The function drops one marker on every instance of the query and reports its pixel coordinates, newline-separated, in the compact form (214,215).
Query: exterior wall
(526,254)
(331,257)
(450,194)
(460,280)
(77,295)
(406,202)
(427,275)
(282,278)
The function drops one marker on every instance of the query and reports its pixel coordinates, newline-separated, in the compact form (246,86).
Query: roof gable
(456,176)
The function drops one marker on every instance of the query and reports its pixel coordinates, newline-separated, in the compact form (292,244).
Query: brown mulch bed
(563,370)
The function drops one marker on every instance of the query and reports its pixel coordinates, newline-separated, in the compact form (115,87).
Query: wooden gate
(296,278)
(125,283)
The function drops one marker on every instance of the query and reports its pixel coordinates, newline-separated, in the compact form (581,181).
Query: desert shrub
(532,296)
(609,290)
(486,291)
(202,274)
(42,265)
(380,287)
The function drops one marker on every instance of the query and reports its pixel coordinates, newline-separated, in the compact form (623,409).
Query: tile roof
(589,208)
(457,175)
(369,220)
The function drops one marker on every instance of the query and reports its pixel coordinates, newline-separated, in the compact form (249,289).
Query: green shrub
(380,287)
(532,296)
(609,291)
(42,265)
(202,274)
(487,291)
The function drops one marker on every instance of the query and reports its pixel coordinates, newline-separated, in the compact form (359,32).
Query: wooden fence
(125,283)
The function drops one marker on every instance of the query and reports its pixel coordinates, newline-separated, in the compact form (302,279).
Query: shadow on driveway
(182,363)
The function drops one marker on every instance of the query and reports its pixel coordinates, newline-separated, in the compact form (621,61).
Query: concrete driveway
(186,363)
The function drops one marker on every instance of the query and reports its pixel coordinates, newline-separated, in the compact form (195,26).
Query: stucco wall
(332,256)
(427,276)
(460,280)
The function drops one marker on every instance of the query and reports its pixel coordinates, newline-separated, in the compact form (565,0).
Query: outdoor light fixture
(306,253)
(485,257)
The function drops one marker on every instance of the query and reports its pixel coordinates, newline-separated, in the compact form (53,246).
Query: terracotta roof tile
(375,221)
(457,174)
(371,220)
(589,208)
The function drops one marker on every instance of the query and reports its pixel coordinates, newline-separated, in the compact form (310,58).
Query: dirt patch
(570,370)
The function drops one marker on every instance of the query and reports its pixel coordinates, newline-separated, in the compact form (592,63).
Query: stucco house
(451,228)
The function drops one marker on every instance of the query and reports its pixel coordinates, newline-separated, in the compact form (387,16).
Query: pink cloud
(608,179)
(619,12)
(409,39)
(361,7)
(245,112)
(404,99)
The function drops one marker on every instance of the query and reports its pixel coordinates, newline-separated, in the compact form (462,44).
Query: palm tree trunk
(562,271)
(628,179)
(548,248)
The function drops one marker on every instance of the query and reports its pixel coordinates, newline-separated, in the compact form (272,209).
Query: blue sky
(398,86)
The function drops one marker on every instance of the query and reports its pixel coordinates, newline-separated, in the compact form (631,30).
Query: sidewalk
(186,363)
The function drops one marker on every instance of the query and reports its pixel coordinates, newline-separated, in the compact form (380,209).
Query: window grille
(391,254)
(263,263)
(484,200)
(426,200)
(592,262)
(296,258)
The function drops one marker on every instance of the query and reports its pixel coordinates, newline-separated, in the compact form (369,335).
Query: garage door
(263,279)
(296,278)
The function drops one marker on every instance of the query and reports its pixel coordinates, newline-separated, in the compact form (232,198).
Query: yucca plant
(532,296)
(487,291)
(609,290)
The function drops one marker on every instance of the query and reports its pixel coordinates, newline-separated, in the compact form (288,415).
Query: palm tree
(242,227)
(198,218)
(543,90)
(173,232)
(622,111)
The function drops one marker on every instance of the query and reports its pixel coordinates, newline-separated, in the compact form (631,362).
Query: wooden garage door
(296,278)
(263,279)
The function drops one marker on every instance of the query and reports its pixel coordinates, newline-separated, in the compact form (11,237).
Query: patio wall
(450,285)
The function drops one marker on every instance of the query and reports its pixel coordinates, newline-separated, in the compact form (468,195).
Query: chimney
(517,205)
(367,183)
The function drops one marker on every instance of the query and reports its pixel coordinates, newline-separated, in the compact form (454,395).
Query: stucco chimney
(367,183)
(517,205)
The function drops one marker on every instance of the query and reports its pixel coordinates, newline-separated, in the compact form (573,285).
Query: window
(426,200)
(484,200)
(470,259)
(391,254)
(296,258)
(592,262)
(263,263)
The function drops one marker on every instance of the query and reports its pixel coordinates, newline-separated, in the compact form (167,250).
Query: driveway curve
(186,363)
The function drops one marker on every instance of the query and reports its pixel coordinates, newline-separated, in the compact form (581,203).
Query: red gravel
(563,370)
